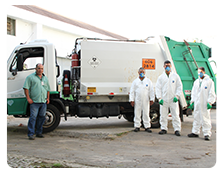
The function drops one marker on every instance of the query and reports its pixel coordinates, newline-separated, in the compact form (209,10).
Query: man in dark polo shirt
(36,88)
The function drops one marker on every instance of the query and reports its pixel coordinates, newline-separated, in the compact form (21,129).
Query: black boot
(136,129)
(39,136)
(207,138)
(177,133)
(192,135)
(148,130)
(162,132)
(31,137)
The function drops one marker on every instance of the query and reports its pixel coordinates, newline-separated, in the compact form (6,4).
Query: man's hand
(29,100)
(48,97)
(175,99)
(161,102)
(132,103)
(209,106)
(151,103)
(26,91)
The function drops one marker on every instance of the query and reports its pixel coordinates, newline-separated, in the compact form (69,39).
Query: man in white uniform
(141,97)
(168,90)
(202,98)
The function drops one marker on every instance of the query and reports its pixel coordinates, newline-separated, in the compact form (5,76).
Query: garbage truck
(101,72)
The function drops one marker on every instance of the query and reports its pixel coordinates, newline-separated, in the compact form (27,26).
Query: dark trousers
(37,118)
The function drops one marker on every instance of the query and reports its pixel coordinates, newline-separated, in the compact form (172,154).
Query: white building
(28,22)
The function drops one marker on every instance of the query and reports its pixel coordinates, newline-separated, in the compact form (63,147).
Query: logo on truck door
(148,63)
(94,62)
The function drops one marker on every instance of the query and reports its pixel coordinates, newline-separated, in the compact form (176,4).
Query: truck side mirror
(20,62)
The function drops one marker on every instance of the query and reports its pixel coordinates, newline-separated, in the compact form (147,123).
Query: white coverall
(166,89)
(141,92)
(202,93)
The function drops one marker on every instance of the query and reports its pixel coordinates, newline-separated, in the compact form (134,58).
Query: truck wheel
(129,117)
(181,112)
(52,118)
(155,115)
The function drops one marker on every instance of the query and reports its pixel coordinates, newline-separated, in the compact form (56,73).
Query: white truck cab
(22,63)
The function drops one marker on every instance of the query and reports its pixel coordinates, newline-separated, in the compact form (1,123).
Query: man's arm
(158,88)
(27,96)
(179,87)
(211,95)
(48,93)
(131,94)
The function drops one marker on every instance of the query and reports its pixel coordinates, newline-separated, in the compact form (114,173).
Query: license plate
(91,89)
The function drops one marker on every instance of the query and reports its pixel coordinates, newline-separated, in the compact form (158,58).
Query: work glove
(161,102)
(191,106)
(209,106)
(175,99)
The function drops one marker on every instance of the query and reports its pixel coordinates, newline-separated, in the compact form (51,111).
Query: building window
(10,26)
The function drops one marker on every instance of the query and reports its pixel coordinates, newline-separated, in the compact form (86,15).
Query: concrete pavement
(111,143)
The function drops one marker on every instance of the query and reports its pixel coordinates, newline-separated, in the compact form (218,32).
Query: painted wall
(31,26)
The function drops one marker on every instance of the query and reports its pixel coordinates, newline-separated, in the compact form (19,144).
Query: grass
(122,133)
(49,165)
(57,165)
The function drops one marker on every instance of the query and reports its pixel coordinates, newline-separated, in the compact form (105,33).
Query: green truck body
(185,65)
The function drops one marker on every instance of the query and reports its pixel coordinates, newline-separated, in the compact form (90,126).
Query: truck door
(19,67)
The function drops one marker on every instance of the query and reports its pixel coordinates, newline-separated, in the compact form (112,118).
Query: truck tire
(129,117)
(52,119)
(181,113)
(155,115)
